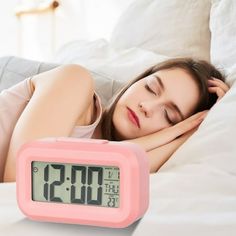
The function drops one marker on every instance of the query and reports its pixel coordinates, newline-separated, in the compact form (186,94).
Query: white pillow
(170,27)
(87,53)
(125,65)
(223,33)
(110,68)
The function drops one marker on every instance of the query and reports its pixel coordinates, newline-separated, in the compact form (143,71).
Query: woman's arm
(61,97)
(158,156)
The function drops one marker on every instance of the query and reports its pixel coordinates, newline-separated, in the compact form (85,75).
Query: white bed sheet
(14,223)
(178,206)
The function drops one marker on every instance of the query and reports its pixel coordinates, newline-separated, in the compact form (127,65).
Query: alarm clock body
(82,181)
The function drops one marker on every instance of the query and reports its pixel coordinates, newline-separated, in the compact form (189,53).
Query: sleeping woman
(159,110)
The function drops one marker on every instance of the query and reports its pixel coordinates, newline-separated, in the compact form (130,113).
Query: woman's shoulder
(70,73)
(71,82)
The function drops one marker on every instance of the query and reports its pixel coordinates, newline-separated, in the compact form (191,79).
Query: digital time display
(75,184)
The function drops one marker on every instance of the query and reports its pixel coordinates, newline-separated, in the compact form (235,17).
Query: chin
(118,135)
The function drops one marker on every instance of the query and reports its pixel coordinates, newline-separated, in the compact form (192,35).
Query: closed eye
(167,118)
(149,89)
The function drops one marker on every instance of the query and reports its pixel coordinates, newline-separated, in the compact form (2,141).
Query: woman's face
(159,100)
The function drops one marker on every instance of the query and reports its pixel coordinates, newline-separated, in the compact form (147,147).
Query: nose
(148,108)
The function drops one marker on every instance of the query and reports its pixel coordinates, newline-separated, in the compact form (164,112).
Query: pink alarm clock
(82,181)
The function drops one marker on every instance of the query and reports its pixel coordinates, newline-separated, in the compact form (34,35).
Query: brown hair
(200,70)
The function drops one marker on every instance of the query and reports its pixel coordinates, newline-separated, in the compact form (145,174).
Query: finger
(213,83)
(190,132)
(222,82)
(188,124)
(195,116)
(220,92)
(219,83)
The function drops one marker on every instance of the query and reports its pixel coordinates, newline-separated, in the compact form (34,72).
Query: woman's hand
(166,135)
(217,86)
(158,156)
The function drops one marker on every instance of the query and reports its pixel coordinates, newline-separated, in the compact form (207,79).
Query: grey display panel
(76,184)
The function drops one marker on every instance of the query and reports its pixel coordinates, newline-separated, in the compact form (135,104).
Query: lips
(133,117)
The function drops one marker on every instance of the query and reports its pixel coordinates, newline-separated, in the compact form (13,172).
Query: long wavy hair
(199,70)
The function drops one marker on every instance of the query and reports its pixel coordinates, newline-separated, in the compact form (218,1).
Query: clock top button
(76,140)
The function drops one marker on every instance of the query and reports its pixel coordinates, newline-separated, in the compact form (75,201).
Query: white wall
(39,36)
(9,27)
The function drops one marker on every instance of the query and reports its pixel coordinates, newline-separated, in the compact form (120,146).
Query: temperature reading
(75,184)
(111,202)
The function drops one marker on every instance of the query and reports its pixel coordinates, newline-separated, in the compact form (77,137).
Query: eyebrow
(172,103)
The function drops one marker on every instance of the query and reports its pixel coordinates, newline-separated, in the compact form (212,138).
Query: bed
(194,192)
